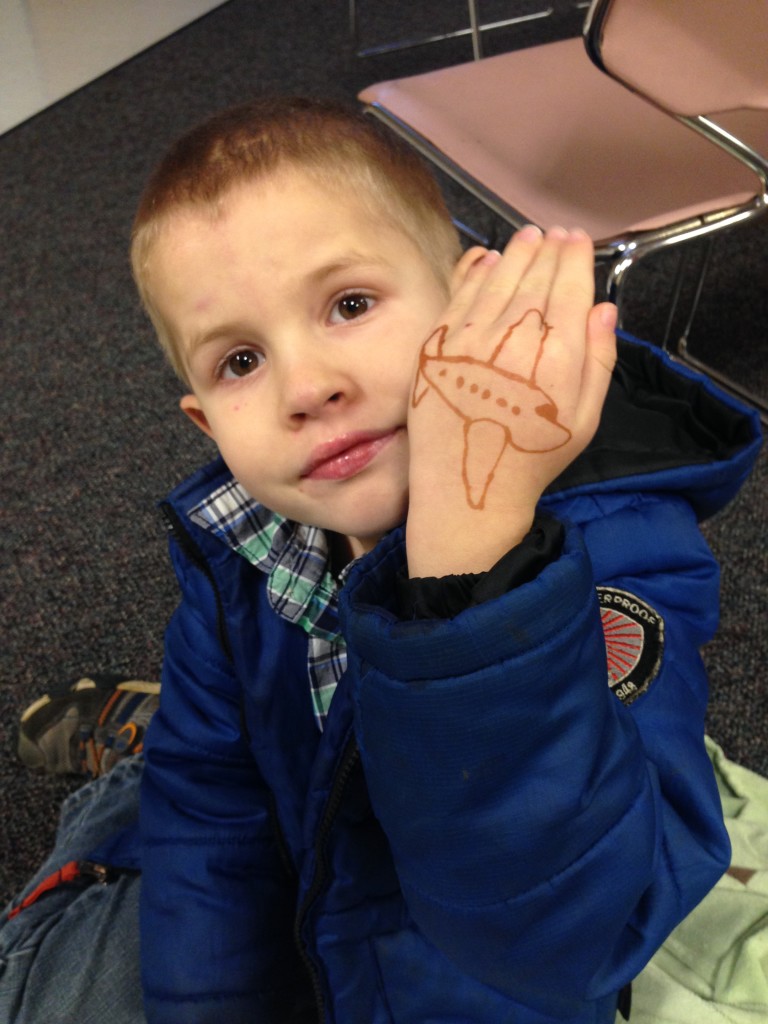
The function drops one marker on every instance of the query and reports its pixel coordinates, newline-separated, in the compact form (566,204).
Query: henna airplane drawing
(499,406)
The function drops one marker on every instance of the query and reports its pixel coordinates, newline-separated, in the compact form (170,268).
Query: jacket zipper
(179,533)
(350,759)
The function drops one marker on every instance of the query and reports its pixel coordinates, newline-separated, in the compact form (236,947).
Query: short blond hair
(340,148)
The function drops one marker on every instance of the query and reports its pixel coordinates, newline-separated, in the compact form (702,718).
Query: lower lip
(352,460)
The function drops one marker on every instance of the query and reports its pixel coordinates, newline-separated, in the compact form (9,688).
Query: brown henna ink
(498,407)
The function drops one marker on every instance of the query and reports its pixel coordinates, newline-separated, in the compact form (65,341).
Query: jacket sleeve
(547,837)
(215,894)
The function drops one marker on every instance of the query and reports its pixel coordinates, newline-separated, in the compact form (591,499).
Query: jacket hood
(665,428)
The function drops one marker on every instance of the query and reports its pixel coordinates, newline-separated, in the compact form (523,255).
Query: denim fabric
(73,955)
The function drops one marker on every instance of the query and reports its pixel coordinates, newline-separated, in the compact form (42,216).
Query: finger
(599,361)
(509,292)
(601,335)
(468,261)
(572,290)
(568,303)
(515,302)
(503,280)
(466,280)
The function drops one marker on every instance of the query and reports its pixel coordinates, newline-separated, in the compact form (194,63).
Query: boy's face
(299,317)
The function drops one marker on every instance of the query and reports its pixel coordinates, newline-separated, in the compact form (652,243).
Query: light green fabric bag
(713,969)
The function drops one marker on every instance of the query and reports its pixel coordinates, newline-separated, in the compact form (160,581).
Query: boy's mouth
(347,455)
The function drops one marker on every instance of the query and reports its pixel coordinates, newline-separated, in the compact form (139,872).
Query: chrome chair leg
(682,342)
(617,275)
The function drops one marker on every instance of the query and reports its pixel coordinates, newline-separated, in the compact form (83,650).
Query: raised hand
(499,406)
(508,390)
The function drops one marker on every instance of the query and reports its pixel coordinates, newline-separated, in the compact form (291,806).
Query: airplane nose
(547,412)
(533,436)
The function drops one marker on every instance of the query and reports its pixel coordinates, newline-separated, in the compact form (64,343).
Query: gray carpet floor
(92,438)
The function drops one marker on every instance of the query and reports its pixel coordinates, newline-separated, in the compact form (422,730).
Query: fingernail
(557,232)
(530,233)
(609,315)
(491,257)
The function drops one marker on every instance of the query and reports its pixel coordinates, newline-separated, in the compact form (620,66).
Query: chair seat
(562,143)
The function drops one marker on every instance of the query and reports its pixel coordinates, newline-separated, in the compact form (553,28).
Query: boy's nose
(313,387)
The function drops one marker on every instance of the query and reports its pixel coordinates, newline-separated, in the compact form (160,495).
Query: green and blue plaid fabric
(300,586)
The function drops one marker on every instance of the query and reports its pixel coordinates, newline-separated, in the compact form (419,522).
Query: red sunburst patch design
(634,642)
(623,643)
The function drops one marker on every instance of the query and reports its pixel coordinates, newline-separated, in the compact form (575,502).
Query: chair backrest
(689,56)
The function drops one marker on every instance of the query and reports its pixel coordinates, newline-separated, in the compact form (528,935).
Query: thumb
(601,335)
(599,361)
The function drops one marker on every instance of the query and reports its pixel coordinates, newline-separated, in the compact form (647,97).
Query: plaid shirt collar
(300,586)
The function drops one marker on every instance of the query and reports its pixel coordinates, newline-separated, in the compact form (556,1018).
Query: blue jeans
(73,955)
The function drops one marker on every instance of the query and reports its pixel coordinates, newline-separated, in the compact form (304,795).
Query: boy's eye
(350,306)
(241,363)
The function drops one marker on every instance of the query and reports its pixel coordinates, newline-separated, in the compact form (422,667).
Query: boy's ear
(191,407)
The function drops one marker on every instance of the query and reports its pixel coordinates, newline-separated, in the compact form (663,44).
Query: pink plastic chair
(657,140)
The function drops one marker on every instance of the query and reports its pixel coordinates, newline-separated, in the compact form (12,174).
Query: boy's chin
(364,533)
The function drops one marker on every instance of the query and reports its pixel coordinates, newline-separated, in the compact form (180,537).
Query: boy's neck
(340,552)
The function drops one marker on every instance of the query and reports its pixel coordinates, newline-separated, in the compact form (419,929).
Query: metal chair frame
(623,253)
(475,30)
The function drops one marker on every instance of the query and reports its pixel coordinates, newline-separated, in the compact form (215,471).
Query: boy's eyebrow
(220,330)
(347,261)
(337,265)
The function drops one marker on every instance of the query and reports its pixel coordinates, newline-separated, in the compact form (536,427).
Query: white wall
(49,48)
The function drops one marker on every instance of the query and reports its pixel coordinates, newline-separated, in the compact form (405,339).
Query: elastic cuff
(444,597)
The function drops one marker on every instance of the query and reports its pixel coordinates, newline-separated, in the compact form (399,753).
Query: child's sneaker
(86,727)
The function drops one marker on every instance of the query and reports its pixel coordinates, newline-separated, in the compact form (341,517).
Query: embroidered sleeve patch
(634,642)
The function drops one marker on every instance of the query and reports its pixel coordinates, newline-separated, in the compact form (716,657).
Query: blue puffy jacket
(485,830)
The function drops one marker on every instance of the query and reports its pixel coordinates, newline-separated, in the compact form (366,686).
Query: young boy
(430,740)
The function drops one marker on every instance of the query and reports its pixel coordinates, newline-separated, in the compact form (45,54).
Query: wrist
(448,531)
(440,542)
(447,596)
